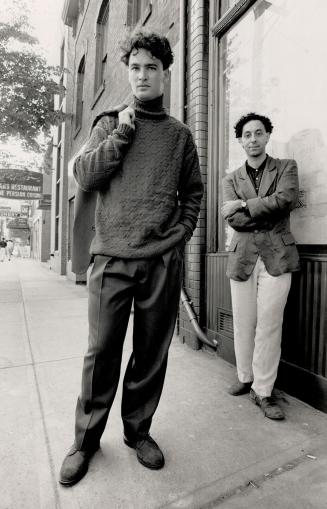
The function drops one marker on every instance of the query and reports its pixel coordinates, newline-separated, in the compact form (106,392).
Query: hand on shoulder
(108,123)
(127,116)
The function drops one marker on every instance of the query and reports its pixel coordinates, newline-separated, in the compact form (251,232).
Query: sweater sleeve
(190,190)
(101,157)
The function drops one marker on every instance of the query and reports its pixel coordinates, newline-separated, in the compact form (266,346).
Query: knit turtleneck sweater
(148,182)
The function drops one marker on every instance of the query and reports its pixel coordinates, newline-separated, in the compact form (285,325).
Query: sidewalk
(220,451)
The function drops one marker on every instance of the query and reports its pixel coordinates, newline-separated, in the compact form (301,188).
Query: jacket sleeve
(241,220)
(101,157)
(280,202)
(190,190)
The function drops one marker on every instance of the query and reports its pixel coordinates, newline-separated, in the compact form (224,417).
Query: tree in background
(27,87)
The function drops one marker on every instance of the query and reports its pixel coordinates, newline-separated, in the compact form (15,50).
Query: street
(220,451)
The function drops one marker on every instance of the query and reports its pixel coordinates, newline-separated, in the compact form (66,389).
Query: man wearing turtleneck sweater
(147,178)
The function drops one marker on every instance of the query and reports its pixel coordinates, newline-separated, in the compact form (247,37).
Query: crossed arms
(261,212)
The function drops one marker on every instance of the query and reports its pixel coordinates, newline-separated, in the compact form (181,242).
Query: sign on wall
(9,213)
(24,210)
(20,184)
(45,202)
(19,223)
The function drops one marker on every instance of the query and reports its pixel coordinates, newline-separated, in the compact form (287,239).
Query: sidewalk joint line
(46,435)
(39,363)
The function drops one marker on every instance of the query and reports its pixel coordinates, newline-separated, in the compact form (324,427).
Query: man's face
(254,138)
(146,75)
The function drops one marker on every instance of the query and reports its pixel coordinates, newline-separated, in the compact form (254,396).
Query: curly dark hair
(156,44)
(238,127)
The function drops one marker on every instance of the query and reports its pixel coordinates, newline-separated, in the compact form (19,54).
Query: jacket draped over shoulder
(85,201)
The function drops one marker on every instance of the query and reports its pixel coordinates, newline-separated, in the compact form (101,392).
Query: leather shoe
(239,388)
(75,466)
(269,406)
(147,451)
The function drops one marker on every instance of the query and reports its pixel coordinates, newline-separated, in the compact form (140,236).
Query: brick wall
(197,119)
(164,19)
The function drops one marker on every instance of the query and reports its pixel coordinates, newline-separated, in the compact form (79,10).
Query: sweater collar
(152,109)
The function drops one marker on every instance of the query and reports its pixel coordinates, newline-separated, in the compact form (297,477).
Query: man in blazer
(258,199)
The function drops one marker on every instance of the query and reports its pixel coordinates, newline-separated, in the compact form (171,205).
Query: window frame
(219,26)
(101,36)
(138,12)
(79,95)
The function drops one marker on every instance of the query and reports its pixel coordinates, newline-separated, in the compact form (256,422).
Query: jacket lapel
(268,176)
(245,182)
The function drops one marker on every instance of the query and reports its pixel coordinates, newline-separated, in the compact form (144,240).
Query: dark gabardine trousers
(155,285)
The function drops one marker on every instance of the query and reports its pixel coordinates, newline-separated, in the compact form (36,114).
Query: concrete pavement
(220,451)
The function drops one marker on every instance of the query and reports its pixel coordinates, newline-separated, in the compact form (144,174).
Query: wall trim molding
(302,384)
(231,16)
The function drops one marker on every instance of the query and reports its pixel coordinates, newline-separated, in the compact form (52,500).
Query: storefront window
(273,62)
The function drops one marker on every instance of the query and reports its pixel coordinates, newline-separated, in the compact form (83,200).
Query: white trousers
(2,253)
(258,308)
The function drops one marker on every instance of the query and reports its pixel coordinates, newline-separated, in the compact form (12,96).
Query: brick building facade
(228,61)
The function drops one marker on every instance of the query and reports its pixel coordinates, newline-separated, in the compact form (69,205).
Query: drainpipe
(182,45)
(181,102)
(198,331)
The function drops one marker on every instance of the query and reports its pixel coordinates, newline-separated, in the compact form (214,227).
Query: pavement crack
(258,482)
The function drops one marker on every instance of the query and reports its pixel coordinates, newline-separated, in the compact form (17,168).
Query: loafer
(148,452)
(269,406)
(75,466)
(240,388)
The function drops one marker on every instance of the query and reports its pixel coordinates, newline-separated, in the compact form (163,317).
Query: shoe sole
(254,400)
(67,484)
(147,465)
(281,418)
(151,467)
(239,393)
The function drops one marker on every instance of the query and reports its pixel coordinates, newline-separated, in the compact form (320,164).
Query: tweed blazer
(264,228)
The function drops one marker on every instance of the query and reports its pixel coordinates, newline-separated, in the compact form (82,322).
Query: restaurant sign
(20,184)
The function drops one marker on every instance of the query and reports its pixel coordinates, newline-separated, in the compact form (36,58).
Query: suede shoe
(240,388)
(147,451)
(269,406)
(75,466)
